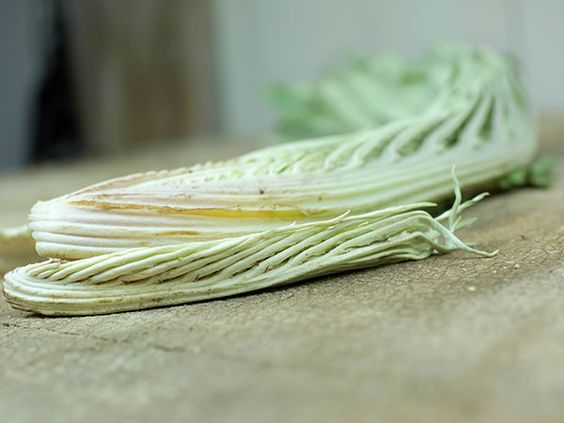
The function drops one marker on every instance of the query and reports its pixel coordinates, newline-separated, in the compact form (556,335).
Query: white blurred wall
(260,41)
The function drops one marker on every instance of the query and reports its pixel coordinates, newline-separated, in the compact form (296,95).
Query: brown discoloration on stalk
(207,212)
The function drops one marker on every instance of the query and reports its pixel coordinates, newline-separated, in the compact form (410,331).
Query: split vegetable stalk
(288,212)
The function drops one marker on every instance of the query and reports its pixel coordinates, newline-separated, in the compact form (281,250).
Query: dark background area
(107,77)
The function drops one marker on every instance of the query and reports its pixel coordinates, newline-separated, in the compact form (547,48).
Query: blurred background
(106,77)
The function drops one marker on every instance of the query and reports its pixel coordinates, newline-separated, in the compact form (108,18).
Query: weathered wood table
(450,338)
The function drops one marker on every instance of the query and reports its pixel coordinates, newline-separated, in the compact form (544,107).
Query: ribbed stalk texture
(295,210)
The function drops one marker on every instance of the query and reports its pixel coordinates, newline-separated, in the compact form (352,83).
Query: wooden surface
(143,70)
(451,338)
